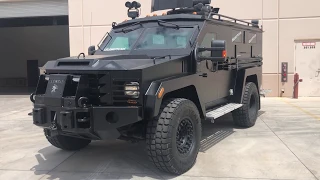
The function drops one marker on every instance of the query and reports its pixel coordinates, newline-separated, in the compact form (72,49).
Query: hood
(106,62)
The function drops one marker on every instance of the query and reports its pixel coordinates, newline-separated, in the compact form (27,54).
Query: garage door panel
(33,8)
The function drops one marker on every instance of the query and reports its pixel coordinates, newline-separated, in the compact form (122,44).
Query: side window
(206,42)
(121,43)
(237,36)
(251,38)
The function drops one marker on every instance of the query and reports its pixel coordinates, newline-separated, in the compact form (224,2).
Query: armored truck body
(154,79)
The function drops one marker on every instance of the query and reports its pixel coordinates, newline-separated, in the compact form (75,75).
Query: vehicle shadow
(119,159)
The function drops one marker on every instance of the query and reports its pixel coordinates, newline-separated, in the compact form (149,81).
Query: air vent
(73,63)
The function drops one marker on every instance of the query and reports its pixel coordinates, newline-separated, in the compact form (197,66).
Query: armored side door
(215,84)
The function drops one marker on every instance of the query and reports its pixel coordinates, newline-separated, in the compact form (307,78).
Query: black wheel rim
(184,138)
(252,106)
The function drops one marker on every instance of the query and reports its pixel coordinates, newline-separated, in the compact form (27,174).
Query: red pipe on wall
(296,81)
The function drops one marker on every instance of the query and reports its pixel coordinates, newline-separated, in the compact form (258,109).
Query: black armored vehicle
(155,79)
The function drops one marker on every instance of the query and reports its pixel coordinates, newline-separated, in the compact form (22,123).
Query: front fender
(153,103)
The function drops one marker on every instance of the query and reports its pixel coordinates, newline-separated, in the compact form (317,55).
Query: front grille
(100,89)
(93,84)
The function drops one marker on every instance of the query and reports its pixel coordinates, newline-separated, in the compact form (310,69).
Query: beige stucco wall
(283,22)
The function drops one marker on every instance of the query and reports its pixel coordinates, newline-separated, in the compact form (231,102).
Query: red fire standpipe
(296,81)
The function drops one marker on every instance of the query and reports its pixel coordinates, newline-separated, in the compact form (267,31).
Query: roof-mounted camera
(133,9)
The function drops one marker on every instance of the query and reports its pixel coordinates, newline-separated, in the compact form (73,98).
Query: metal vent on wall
(16,9)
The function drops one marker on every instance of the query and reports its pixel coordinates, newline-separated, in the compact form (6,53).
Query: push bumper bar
(95,123)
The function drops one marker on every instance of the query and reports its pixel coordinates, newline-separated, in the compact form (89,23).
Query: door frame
(295,41)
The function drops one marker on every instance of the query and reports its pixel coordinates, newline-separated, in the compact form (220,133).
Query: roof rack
(203,7)
(196,7)
(254,23)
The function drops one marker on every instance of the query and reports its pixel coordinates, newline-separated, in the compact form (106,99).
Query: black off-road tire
(247,115)
(171,151)
(68,143)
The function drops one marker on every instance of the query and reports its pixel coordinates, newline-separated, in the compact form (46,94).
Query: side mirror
(91,50)
(218,51)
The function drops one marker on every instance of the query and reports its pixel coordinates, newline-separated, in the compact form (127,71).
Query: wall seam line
(278,48)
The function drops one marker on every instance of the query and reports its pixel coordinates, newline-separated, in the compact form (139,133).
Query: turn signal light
(224,53)
(161,92)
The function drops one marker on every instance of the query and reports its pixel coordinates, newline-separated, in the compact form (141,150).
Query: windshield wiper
(165,22)
(176,26)
(126,30)
(160,57)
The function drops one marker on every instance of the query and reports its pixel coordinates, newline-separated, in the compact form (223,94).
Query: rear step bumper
(91,123)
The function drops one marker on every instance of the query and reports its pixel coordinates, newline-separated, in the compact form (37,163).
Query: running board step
(214,114)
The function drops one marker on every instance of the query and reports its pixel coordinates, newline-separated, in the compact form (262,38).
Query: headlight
(132,89)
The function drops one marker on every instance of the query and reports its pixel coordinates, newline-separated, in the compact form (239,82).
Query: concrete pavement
(284,144)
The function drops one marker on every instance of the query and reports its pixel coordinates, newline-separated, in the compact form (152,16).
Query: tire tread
(67,143)
(159,136)
(241,115)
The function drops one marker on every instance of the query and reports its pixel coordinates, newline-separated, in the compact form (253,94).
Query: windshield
(123,40)
(165,38)
(151,38)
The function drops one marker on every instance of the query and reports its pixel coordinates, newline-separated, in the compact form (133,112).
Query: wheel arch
(189,93)
(244,76)
(253,78)
(183,87)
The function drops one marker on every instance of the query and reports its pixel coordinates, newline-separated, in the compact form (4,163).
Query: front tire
(247,115)
(173,138)
(67,143)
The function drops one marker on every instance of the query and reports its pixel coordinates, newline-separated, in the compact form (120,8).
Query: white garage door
(307,65)
(16,9)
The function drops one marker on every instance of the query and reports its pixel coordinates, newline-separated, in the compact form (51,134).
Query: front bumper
(95,123)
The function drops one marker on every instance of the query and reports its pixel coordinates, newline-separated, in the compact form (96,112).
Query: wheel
(67,143)
(246,116)
(173,138)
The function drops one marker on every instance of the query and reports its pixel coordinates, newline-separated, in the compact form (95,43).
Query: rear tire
(173,138)
(247,115)
(67,143)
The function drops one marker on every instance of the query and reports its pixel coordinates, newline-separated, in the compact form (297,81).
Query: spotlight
(128,4)
(136,4)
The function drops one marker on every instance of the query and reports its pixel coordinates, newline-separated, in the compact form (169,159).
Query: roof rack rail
(254,23)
